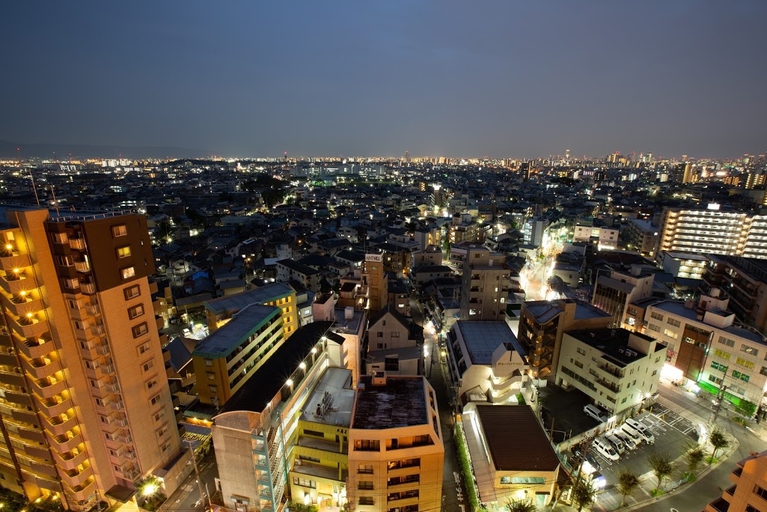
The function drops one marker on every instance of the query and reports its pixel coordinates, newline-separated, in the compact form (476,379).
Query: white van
(642,430)
(605,449)
(633,434)
(619,445)
(630,442)
(594,412)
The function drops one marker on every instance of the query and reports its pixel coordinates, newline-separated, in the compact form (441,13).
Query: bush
(463,459)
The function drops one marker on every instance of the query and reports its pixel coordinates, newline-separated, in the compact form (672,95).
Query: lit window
(127,273)
(123,252)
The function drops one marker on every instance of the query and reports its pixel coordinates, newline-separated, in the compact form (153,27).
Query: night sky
(501,78)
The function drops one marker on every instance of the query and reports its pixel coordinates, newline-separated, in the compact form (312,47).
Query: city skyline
(506,80)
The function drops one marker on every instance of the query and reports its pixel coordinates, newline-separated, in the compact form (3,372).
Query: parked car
(633,434)
(619,445)
(605,449)
(629,441)
(595,412)
(642,430)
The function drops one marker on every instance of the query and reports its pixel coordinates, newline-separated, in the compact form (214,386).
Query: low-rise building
(616,368)
(527,470)
(486,363)
(542,324)
(220,311)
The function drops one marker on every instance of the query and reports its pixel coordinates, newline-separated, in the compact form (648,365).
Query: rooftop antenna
(34,189)
(55,203)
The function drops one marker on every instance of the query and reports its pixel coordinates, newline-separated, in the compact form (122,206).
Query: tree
(746,409)
(661,466)
(520,505)
(693,458)
(583,494)
(627,484)
(718,440)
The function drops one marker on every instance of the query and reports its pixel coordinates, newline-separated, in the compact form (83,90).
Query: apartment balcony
(40,367)
(13,260)
(401,502)
(32,435)
(105,389)
(12,378)
(75,478)
(18,398)
(65,442)
(26,327)
(30,418)
(55,406)
(44,482)
(36,347)
(82,492)
(48,387)
(60,425)
(77,244)
(101,371)
(14,284)
(38,452)
(20,304)
(83,267)
(159,322)
(8,357)
(38,467)
(718,505)
(118,439)
(609,373)
(88,288)
(70,460)
(609,386)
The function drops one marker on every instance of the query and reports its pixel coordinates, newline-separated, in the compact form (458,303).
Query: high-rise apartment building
(615,292)
(748,491)
(712,231)
(485,285)
(85,409)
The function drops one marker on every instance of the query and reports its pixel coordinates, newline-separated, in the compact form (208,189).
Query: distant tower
(567,155)
(407,157)
(285,156)
(689,176)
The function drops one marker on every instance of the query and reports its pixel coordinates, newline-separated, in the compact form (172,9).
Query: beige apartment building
(84,403)
(616,368)
(748,492)
(485,285)
(396,450)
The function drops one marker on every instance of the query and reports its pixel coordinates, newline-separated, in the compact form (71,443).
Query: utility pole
(198,478)
(718,403)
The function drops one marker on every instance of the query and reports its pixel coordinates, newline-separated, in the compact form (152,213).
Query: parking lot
(671,438)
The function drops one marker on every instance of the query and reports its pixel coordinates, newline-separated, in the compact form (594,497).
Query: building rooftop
(228,337)
(261,295)
(515,438)
(348,325)
(678,308)
(483,337)
(614,343)
(263,385)
(335,383)
(585,310)
(401,402)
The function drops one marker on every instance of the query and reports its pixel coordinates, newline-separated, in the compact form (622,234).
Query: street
(187,497)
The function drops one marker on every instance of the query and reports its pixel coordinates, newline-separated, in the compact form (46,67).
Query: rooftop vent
(349,312)
(379,379)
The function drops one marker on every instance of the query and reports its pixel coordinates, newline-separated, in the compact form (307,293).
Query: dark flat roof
(515,438)
(401,402)
(269,379)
